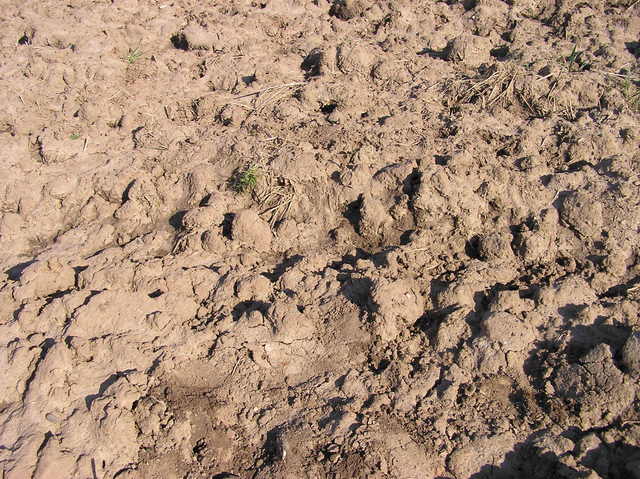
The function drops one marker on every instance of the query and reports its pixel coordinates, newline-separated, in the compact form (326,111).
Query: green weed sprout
(575,58)
(245,181)
(133,56)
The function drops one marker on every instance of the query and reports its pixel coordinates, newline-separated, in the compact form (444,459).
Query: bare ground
(435,274)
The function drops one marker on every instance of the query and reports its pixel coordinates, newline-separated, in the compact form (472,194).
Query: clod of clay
(373,217)
(631,354)
(198,38)
(495,246)
(347,9)
(202,218)
(510,332)
(397,306)
(595,386)
(582,213)
(470,50)
(251,230)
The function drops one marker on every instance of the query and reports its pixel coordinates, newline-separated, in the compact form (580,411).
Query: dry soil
(432,269)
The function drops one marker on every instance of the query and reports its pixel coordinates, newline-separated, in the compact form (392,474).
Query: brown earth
(436,274)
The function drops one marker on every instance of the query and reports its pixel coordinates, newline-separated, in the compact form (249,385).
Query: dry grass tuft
(508,85)
(502,87)
(275,196)
(257,101)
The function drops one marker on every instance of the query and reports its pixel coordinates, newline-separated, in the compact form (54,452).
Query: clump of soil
(433,271)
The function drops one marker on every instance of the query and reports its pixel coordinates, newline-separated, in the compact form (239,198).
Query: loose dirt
(307,239)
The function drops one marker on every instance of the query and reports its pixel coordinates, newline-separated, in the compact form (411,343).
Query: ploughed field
(308,239)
